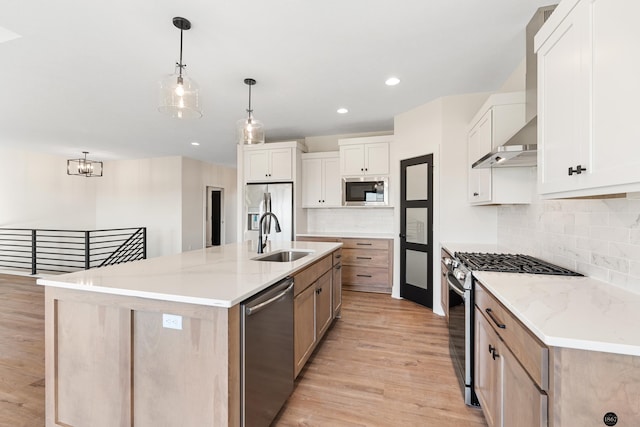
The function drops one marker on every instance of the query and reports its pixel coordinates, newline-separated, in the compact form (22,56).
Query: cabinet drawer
(532,354)
(366,258)
(304,278)
(365,244)
(337,256)
(365,276)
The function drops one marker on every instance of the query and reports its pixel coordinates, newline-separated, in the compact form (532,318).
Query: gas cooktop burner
(511,263)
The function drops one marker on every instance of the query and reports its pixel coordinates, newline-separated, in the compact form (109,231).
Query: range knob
(459,274)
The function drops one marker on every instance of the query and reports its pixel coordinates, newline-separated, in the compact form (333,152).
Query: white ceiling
(84,74)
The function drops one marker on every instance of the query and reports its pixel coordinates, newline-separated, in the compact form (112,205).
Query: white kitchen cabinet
(321,180)
(498,119)
(367,156)
(588,91)
(268,164)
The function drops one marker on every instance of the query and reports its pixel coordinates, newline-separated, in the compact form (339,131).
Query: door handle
(402,236)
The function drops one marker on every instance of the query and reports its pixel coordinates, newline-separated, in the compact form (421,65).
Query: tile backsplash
(354,220)
(599,238)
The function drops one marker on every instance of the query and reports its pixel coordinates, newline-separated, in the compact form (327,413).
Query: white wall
(196,177)
(144,193)
(36,192)
(352,220)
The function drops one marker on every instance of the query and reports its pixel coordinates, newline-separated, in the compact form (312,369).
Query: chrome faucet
(261,245)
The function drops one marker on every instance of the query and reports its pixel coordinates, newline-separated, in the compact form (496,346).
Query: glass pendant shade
(250,131)
(180,96)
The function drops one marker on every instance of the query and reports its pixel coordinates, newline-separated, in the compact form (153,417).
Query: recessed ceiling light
(342,110)
(195,143)
(392,81)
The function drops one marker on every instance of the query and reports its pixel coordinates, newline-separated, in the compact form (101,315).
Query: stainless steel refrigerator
(276,198)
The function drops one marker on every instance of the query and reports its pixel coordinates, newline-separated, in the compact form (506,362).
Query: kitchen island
(113,358)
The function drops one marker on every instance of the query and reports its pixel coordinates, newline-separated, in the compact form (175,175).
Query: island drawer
(304,278)
(532,354)
(372,279)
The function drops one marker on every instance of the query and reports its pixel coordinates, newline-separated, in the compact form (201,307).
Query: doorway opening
(214,218)
(416,229)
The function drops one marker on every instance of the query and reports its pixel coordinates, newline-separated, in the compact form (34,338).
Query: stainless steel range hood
(521,149)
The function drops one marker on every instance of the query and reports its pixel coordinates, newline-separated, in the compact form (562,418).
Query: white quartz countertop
(221,276)
(572,312)
(347,235)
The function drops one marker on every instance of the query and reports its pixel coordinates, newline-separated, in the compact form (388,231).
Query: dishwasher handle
(263,305)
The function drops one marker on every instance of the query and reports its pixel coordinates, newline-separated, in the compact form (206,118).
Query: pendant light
(249,130)
(84,167)
(180,95)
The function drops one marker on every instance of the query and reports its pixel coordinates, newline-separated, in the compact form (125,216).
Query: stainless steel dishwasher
(266,378)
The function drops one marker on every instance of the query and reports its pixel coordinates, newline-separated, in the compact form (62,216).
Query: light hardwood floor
(21,352)
(384,363)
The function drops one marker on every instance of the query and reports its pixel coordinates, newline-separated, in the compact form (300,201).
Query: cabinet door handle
(491,348)
(578,170)
(496,321)
(494,354)
(363,275)
(475,194)
(319,291)
(363,257)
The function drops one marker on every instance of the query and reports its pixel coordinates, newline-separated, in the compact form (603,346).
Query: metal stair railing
(65,251)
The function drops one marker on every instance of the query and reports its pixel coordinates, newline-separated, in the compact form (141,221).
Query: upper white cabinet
(265,163)
(321,180)
(498,119)
(368,156)
(588,91)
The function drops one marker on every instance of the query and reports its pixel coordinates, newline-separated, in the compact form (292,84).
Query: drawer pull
(338,267)
(363,275)
(491,348)
(363,257)
(338,256)
(364,244)
(496,321)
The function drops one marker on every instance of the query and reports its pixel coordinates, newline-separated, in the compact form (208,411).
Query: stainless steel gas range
(458,270)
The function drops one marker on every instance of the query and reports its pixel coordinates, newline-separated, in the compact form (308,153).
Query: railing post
(87,256)
(34,261)
(144,242)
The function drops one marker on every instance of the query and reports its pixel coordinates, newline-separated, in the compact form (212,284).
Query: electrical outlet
(171,321)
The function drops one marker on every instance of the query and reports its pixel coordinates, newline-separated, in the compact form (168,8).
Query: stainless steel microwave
(365,191)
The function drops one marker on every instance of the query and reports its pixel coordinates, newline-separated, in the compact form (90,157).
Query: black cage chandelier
(84,167)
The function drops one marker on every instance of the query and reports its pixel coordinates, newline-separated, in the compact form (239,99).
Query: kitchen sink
(282,256)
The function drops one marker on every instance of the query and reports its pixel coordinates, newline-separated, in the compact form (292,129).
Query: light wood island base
(110,362)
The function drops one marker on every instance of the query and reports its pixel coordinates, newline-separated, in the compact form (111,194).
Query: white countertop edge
(288,268)
(614,346)
(141,294)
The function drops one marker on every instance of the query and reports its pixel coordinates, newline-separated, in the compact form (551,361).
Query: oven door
(460,335)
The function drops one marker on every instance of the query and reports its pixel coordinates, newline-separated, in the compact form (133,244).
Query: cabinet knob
(476,194)
(361,169)
(366,169)
(319,201)
(578,170)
